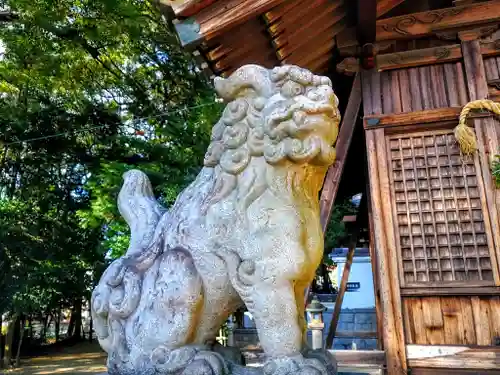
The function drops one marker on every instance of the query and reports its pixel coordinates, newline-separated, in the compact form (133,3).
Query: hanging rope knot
(464,135)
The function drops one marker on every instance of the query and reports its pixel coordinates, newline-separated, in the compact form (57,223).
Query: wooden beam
(419,57)
(422,24)
(356,357)
(450,371)
(354,228)
(451,291)
(417,25)
(344,139)
(367,20)
(412,118)
(425,117)
(457,357)
(220,17)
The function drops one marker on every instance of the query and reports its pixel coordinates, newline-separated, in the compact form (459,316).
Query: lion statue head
(283,114)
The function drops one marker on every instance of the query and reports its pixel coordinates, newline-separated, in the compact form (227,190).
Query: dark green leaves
(88,90)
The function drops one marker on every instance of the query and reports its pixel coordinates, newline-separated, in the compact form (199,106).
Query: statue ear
(247,77)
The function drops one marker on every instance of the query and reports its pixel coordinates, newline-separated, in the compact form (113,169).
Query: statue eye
(291,89)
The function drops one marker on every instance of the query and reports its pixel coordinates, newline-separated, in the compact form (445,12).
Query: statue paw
(188,360)
(325,357)
(300,365)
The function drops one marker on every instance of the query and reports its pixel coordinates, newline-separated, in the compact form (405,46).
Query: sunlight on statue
(246,231)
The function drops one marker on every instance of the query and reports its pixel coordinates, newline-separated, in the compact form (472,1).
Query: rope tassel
(465,135)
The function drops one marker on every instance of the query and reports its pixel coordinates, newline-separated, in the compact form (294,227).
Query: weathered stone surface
(320,358)
(246,231)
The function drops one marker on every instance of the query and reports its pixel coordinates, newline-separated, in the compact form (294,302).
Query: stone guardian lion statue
(246,231)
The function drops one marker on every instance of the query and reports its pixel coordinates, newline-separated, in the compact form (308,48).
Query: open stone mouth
(316,109)
(307,109)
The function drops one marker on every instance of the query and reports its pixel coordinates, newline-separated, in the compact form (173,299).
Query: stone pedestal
(323,358)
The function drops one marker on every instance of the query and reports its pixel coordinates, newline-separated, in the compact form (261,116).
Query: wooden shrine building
(402,69)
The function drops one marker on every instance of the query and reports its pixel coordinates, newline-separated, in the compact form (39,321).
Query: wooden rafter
(287,45)
(416,25)
(186,8)
(301,17)
(220,17)
(385,6)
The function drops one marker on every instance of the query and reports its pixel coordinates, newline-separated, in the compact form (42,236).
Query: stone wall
(351,320)
(354,320)
(246,338)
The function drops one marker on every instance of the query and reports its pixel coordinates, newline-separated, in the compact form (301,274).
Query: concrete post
(317,334)
(230,331)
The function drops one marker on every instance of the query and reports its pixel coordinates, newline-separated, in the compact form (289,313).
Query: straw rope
(464,135)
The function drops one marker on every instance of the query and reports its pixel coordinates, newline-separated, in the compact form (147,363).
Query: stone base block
(312,362)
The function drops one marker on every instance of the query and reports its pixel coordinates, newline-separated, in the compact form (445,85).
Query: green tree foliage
(496,170)
(97,87)
(336,232)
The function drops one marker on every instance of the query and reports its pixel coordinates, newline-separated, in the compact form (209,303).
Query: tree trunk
(49,323)
(78,319)
(43,333)
(71,325)
(30,322)
(9,340)
(91,325)
(20,343)
(57,324)
(2,342)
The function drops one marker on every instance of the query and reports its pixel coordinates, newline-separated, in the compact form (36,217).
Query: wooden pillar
(385,242)
(488,134)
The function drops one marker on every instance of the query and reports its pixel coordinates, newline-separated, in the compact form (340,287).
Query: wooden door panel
(442,236)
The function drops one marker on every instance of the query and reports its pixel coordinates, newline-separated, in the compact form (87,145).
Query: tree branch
(7,16)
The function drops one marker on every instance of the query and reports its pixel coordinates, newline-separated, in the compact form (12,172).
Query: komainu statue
(246,231)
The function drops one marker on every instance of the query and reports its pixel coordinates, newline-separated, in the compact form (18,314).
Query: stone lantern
(315,323)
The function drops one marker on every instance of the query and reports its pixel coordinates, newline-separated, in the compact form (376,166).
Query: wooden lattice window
(438,212)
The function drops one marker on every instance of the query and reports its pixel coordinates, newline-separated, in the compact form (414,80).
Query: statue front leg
(275,312)
(300,288)
(274,307)
(276,301)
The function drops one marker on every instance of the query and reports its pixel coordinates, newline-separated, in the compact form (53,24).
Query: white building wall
(361,272)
